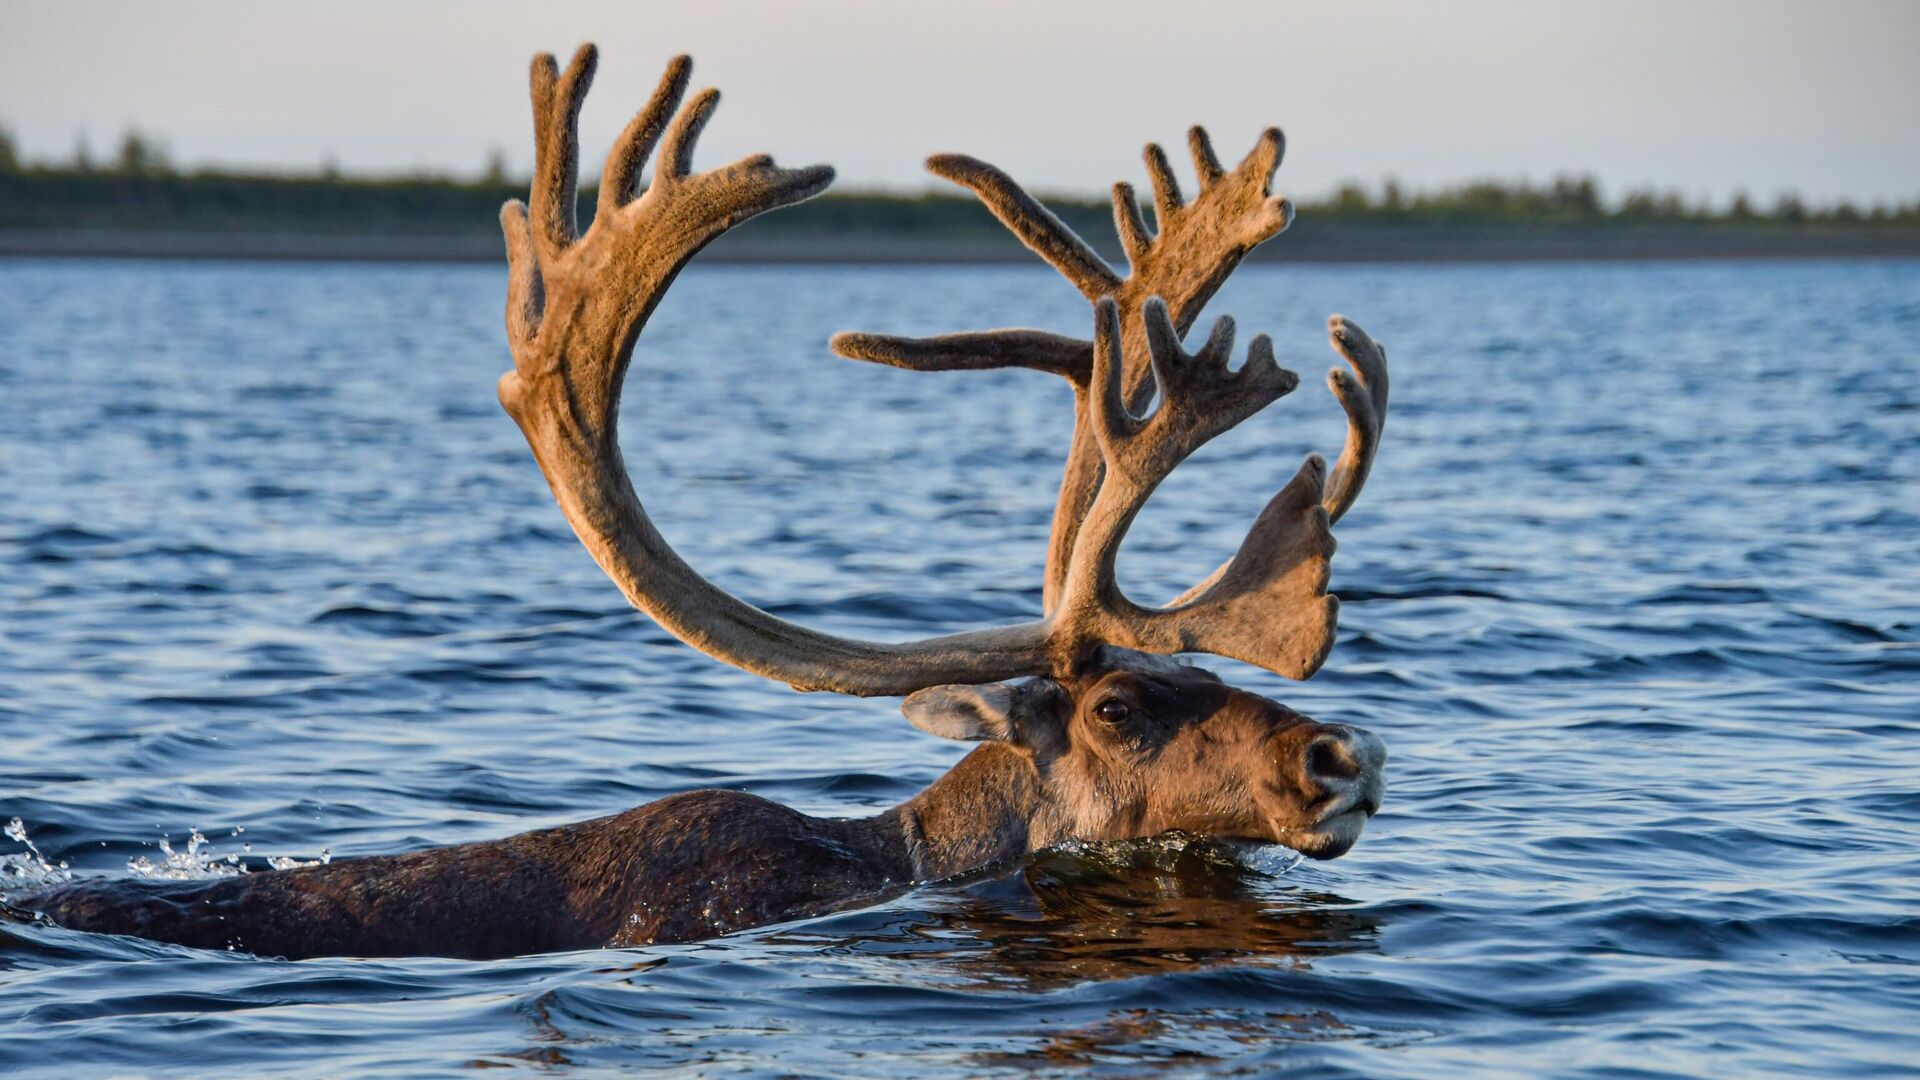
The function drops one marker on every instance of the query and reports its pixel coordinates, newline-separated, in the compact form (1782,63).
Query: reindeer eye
(1110,711)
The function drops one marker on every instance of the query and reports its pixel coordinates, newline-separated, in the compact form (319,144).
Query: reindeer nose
(1347,761)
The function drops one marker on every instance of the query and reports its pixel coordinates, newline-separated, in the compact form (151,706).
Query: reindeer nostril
(1328,760)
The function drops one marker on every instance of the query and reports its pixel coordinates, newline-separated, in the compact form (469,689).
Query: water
(1631,596)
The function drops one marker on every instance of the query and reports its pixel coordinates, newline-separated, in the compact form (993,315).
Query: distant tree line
(138,187)
(1576,198)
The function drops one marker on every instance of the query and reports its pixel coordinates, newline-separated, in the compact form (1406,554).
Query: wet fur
(685,867)
(1193,754)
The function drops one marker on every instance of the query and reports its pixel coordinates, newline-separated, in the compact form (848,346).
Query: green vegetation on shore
(139,192)
(139,189)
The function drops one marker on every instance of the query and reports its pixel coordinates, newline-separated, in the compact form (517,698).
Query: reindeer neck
(983,810)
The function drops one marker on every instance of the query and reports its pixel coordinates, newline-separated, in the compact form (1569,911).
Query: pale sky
(1819,97)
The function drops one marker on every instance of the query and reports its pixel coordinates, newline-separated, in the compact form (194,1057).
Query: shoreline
(1321,242)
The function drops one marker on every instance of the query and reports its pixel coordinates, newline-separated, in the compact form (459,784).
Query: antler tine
(1264,159)
(1113,421)
(556,132)
(1364,395)
(1068,357)
(1135,239)
(1218,349)
(1166,189)
(619,181)
(676,154)
(1205,165)
(525,295)
(1034,224)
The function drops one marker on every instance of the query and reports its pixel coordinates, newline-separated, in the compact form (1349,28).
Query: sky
(1707,97)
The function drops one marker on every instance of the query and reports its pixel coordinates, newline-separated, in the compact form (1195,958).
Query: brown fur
(1193,754)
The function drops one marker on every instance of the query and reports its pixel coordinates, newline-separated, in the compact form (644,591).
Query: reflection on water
(1117,911)
(1630,597)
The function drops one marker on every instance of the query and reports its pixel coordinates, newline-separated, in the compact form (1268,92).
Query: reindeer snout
(1344,767)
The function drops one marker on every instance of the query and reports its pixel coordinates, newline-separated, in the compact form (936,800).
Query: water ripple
(1630,596)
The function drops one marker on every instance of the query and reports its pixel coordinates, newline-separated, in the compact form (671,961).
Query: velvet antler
(577,303)
(1197,246)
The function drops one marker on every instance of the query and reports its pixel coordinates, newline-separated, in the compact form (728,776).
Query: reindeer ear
(966,713)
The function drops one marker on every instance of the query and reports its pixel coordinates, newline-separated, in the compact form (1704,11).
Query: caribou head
(1089,729)
(1135,745)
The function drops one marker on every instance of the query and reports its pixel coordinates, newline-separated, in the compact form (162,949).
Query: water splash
(288,862)
(198,861)
(22,868)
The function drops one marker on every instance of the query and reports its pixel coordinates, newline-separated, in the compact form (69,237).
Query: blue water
(1633,596)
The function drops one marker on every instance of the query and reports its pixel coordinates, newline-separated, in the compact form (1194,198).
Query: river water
(1633,596)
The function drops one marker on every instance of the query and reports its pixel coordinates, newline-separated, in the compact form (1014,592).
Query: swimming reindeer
(1087,729)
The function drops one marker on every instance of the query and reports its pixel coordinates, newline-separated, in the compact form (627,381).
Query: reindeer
(1087,729)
